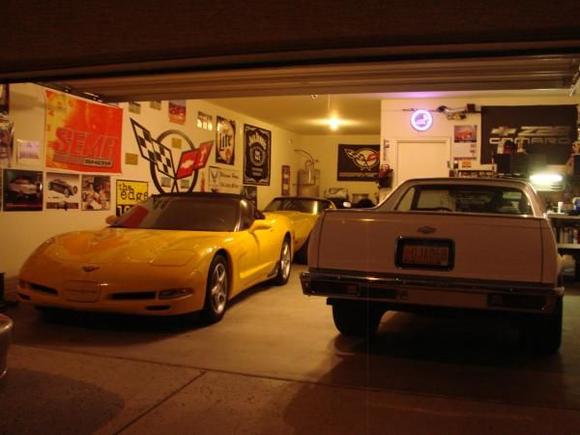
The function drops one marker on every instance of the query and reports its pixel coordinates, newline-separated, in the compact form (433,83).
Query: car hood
(122,245)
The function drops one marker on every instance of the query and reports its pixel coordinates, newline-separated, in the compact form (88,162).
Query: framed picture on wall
(63,191)
(23,190)
(285,180)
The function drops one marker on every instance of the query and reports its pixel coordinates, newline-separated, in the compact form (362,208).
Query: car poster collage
(25,187)
(82,148)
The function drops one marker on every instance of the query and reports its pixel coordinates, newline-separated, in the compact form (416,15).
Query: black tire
(217,290)
(302,254)
(544,333)
(284,263)
(356,318)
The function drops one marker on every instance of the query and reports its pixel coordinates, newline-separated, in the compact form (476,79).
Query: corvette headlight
(175,293)
(175,258)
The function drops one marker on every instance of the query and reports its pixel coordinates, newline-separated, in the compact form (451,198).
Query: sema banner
(81,135)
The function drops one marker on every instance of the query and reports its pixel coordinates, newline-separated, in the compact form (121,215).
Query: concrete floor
(276,365)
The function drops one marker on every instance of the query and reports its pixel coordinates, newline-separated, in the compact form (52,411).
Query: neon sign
(421,120)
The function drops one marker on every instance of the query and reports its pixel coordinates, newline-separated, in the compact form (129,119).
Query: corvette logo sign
(167,170)
(358,162)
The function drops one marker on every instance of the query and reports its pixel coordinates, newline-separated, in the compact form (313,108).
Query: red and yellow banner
(81,135)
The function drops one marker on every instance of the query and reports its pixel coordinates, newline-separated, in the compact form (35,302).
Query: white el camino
(444,243)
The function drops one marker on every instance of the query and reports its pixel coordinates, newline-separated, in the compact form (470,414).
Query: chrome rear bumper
(407,291)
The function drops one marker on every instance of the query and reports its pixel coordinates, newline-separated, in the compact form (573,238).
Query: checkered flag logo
(153,151)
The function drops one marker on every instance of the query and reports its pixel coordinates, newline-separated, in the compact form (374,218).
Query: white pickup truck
(444,243)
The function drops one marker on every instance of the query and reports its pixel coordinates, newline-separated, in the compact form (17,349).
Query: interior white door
(422,159)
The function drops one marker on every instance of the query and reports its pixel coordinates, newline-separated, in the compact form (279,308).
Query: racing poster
(22,190)
(82,135)
(547,130)
(358,162)
(62,191)
(257,155)
(129,193)
(225,141)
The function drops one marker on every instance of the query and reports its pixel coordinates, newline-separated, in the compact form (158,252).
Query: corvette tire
(217,290)
(284,263)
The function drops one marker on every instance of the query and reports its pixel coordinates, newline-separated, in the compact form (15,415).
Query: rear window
(465,199)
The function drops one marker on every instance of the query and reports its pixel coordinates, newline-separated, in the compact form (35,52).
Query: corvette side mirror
(260,225)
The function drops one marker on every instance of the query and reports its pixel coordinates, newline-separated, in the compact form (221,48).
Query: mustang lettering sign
(82,135)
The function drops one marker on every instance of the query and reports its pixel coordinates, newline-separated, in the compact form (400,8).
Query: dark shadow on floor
(56,404)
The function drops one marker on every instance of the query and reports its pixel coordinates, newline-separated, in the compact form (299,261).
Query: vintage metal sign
(257,155)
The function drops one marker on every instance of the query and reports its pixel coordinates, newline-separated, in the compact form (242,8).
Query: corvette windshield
(183,213)
(312,206)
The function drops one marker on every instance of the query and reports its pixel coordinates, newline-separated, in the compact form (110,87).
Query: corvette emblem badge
(90,268)
(426,230)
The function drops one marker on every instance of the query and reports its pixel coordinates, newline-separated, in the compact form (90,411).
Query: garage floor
(275,365)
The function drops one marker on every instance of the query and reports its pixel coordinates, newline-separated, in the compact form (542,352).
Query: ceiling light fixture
(334,123)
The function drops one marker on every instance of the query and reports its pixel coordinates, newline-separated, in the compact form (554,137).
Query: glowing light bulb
(333,123)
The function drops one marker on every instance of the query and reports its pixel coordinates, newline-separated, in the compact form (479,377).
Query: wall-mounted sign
(82,135)
(421,120)
(167,171)
(257,144)
(225,141)
(129,193)
(224,180)
(358,162)
(546,131)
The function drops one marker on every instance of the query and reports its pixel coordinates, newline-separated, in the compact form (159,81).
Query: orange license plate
(425,253)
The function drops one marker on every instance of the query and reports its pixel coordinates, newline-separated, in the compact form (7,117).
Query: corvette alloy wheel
(284,264)
(219,290)
(216,295)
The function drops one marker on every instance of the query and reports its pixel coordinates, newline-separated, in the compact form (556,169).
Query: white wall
(395,119)
(324,149)
(22,232)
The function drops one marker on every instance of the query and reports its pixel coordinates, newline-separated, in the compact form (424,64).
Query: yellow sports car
(303,213)
(173,254)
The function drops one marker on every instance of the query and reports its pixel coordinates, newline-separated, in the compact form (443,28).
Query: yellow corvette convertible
(302,213)
(173,254)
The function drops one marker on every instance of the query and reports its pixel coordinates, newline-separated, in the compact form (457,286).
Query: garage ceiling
(352,91)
